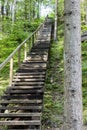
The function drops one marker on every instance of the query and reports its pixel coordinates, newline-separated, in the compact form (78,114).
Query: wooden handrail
(10,58)
(19,47)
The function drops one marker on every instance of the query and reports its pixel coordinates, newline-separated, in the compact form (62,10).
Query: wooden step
(38,53)
(28,80)
(43,65)
(20,107)
(27,83)
(33,68)
(32,77)
(39,50)
(25,128)
(25,87)
(23,96)
(27,123)
(17,79)
(35,128)
(15,115)
(24,91)
(37,58)
(25,101)
(30,71)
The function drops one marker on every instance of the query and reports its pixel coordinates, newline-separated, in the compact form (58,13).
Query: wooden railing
(27,43)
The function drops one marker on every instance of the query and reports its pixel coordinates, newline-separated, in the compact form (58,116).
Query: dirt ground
(84,128)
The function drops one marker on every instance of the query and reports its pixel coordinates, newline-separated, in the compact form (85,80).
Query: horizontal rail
(18,48)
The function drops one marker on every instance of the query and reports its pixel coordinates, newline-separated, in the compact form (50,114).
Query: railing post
(32,40)
(11,71)
(25,51)
(30,43)
(35,36)
(19,57)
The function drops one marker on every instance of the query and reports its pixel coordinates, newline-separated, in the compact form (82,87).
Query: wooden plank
(20,107)
(25,87)
(26,128)
(24,91)
(25,101)
(28,80)
(29,77)
(17,123)
(27,83)
(30,73)
(8,115)
(32,69)
(23,96)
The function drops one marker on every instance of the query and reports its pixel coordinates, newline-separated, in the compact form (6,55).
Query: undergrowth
(54,90)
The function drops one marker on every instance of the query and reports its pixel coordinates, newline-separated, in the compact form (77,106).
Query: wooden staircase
(22,103)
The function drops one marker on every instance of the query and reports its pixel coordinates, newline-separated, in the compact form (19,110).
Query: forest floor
(84,128)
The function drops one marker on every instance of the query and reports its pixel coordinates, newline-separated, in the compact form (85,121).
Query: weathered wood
(11,71)
(25,87)
(28,80)
(19,57)
(25,51)
(24,91)
(20,101)
(3,115)
(12,123)
(39,76)
(20,107)
(27,83)
(23,96)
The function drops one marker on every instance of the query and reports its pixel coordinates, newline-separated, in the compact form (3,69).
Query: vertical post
(32,40)
(11,71)
(19,57)
(86,15)
(35,36)
(25,51)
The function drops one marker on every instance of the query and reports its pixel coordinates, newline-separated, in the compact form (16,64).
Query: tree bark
(13,12)
(56,20)
(72,66)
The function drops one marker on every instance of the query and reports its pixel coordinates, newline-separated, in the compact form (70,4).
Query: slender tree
(13,12)
(72,66)
(56,20)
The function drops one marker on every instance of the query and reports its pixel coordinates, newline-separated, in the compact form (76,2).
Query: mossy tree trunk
(72,66)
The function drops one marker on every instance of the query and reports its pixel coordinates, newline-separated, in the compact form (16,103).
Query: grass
(54,90)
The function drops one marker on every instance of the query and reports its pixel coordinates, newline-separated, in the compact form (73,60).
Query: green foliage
(84,28)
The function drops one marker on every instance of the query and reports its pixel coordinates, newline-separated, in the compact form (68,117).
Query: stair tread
(23,96)
(20,101)
(25,87)
(24,91)
(28,80)
(6,115)
(9,123)
(20,107)
(32,77)
(27,84)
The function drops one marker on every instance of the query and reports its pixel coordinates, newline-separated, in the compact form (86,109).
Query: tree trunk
(72,66)
(56,20)
(38,10)
(86,15)
(13,12)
